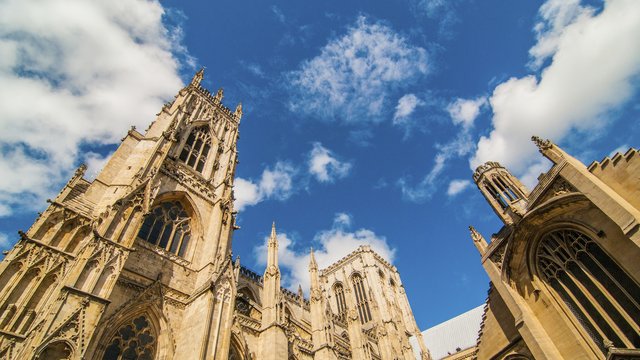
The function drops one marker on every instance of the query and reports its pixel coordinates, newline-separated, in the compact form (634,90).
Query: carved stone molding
(188,178)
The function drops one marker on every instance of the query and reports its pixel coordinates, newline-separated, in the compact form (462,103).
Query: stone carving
(187,177)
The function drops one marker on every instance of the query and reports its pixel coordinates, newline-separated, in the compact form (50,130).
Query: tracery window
(602,297)
(167,226)
(338,290)
(196,148)
(362,303)
(134,340)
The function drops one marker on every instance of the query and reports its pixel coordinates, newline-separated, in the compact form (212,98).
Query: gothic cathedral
(137,264)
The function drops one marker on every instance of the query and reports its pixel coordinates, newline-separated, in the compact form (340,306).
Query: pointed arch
(362,301)
(172,224)
(238,349)
(597,294)
(77,238)
(56,350)
(156,325)
(196,148)
(89,273)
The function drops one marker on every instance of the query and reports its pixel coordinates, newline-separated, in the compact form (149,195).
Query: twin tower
(136,264)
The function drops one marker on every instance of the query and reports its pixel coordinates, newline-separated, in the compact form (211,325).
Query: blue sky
(362,120)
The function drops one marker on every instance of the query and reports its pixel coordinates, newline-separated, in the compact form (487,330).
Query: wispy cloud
(463,113)
(278,14)
(75,77)
(444,12)
(5,243)
(407,104)
(325,166)
(329,246)
(594,67)
(352,77)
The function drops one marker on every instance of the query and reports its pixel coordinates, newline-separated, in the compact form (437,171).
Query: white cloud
(595,63)
(330,246)
(465,111)
(407,104)
(276,183)
(457,186)
(75,72)
(324,166)
(351,78)
(5,244)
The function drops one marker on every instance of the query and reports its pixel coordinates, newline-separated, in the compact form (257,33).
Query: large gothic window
(361,299)
(133,341)
(602,297)
(340,302)
(167,226)
(196,148)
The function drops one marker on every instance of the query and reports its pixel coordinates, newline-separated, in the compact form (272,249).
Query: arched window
(602,297)
(496,195)
(167,226)
(338,290)
(134,340)
(361,299)
(196,148)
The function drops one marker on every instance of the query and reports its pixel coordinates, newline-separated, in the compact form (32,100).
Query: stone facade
(137,264)
(564,268)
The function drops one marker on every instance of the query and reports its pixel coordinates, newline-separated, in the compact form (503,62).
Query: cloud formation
(324,165)
(75,77)
(458,186)
(352,77)
(329,246)
(407,104)
(594,63)
(274,183)
(465,111)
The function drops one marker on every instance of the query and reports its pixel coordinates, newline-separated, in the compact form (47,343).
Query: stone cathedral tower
(136,264)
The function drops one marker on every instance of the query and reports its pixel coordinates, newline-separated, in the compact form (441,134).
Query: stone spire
(478,240)
(321,322)
(197,78)
(273,339)
(272,247)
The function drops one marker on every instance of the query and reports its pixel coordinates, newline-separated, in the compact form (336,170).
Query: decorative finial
(313,265)
(273,237)
(219,95)
(197,78)
(475,235)
(542,144)
(238,112)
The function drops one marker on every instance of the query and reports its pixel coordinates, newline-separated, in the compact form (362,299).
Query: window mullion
(595,303)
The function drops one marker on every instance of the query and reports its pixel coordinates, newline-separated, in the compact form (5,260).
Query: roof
(460,332)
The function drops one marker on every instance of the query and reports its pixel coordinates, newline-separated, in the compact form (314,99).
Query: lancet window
(134,340)
(167,226)
(196,148)
(496,195)
(362,303)
(338,290)
(604,299)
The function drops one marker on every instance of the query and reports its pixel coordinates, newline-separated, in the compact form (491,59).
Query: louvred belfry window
(196,148)
(602,296)
(167,226)
(340,302)
(362,303)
